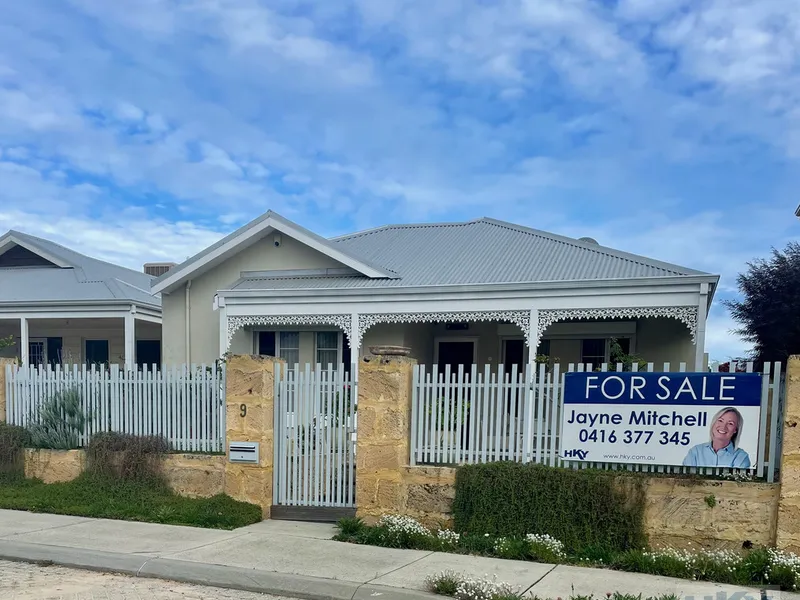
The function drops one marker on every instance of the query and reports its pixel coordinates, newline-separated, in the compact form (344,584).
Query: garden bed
(109,498)
(754,567)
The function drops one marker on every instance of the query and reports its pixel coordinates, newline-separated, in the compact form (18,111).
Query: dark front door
(455,354)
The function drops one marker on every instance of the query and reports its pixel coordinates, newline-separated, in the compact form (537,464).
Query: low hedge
(588,510)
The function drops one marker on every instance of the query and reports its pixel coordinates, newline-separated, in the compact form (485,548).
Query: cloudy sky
(143,130)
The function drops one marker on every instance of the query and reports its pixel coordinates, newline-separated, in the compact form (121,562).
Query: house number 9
(243,410)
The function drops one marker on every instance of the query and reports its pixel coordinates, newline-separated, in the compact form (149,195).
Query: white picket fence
(481,415)
(315,444)
(184,405)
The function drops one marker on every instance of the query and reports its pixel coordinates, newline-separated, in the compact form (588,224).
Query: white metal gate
(315,437)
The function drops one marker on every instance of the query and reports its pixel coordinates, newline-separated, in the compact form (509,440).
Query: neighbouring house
(478,292)
(61,307)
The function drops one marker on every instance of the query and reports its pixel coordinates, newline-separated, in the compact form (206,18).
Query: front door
(455,353)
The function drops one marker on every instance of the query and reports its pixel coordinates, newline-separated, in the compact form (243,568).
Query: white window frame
(339,347)
(456,338)
(278,330)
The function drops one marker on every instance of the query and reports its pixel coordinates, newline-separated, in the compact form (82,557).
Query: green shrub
(13,440)
(444,584)
(58,423)
(126,457)
(579,507)
(350,526)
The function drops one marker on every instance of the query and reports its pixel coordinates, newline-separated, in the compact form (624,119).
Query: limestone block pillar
(788,530)
(3,399)
(249,398)
(384,434)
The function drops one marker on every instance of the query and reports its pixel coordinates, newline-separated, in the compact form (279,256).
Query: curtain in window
(290,347)
(328,348)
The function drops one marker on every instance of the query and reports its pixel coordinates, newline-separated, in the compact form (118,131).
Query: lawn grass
(109,498)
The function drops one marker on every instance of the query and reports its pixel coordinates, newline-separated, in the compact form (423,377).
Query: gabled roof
(73,278)
(483,251)
(251,233)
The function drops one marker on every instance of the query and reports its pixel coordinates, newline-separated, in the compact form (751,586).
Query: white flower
(546,542)
(448,536)
(403,524)
(483,589)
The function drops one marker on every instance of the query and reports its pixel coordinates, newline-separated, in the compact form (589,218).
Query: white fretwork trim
(343,322)
(685,314)
(521,318)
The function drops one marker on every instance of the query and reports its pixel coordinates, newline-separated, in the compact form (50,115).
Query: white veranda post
(24,341)
(130,340)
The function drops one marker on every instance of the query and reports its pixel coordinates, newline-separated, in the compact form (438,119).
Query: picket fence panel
(315,445)
(185,405)
(480,415)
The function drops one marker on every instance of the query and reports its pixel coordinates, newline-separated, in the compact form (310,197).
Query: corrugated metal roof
(83,279)
(483,251)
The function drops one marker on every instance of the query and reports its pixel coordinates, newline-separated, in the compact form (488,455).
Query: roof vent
(588,240)
(158,269)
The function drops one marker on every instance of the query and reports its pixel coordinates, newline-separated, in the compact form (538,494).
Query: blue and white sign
(691,419)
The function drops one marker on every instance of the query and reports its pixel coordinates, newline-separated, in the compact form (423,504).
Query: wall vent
(158,269)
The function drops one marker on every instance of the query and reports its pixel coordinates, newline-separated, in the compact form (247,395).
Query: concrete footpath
(300,560)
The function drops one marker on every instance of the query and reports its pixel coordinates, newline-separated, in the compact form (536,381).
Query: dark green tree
(769,309)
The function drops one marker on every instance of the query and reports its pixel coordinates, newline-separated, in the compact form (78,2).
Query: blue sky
(143,131)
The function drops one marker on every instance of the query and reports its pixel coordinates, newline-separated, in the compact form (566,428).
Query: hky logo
(579,454)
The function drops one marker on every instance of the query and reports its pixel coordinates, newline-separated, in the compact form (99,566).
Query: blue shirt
(703,455)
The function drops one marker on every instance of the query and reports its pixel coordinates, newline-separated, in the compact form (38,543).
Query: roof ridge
(404,226)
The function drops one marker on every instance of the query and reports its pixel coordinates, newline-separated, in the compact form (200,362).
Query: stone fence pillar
(3,399)
(249,399)
(788,530)
(384,420)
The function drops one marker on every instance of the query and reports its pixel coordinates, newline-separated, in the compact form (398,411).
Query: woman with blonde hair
(723,449)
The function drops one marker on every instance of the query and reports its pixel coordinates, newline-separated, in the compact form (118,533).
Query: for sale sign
(691,419)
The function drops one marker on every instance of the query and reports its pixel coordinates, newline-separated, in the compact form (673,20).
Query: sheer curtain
(328,348)
(290,347)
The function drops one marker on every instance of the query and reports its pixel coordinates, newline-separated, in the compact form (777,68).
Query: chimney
(158,269)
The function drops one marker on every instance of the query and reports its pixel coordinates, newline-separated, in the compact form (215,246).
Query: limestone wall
(384,414)
(678,513)
(194,475)
(715,514)
(250,382)
(54,466)
(3,363)
(788,535)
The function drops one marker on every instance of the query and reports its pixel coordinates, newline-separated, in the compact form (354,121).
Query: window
(148,352)
(96,352)
(328,348)
(37,353)
(544,348)
(593,351)
(265,343)
(54,350)
(289,347)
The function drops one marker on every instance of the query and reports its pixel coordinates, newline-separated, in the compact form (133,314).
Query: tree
(6,342)
(769,311)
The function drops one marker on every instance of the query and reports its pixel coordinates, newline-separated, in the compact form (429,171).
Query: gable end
(18,257)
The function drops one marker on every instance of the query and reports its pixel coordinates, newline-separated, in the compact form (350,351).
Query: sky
(144,130)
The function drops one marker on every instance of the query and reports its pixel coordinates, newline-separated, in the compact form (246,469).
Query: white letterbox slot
(243,452)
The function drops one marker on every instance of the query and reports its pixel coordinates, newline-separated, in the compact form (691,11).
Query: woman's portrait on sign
(722,449)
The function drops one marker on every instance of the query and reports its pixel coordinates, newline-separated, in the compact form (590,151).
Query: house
(61,307)
(477,292)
